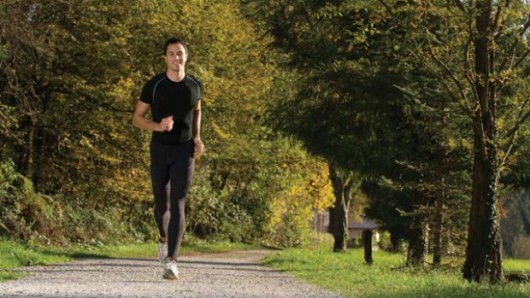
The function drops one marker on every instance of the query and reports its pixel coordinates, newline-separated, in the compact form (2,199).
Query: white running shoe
(171,271)
(162,251)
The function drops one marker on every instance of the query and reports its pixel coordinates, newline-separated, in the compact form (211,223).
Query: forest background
(359,108)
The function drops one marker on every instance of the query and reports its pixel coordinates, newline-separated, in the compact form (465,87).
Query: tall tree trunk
(438,224)
(417,249)
(27,156)
(483,252)
(338,213)
(39,142)
(438,227)
(33,151)
(395,242)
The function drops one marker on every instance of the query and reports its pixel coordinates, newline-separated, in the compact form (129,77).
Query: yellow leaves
(452,144)
(306,188)
(455,143)
(501,124)
(320,187)
(466,144)
(221,133)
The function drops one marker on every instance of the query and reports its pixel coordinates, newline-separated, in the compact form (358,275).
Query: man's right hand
(166,124)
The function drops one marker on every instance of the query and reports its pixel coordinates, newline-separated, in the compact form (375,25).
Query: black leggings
(172,169)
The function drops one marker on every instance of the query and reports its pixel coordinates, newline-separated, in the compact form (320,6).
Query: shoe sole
(170,276)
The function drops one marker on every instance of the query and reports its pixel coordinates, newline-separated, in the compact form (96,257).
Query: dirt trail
(233,274)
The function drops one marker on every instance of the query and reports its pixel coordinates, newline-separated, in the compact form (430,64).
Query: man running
(174,98)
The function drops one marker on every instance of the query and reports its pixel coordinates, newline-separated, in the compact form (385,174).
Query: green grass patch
(15,254)
(516,266)
(347,274)
(150,250)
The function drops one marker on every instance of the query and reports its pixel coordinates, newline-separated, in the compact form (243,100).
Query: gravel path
(233,274)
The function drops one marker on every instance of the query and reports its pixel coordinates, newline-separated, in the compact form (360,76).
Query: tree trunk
(437,228)
(338,213)
(32,151)
(417,249)
(41,139)
(395,242)
(27,164)
(483,252)
(339,230)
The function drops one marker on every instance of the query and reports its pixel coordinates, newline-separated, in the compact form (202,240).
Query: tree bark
(338,213)
(417,249)
(483,252)
(27,155)
(395,242)
(437,228)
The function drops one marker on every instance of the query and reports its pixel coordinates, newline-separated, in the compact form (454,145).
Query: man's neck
(176,76)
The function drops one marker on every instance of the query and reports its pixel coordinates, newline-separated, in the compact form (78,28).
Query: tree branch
(465,108)
(511,56)
(452,76)
(521,59)
(522,117)
(468,72)
(460,5)
(387,8)
(495,23)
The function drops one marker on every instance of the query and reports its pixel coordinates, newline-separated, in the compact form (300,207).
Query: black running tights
(172,169)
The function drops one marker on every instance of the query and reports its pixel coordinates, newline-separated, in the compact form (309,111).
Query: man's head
(175,53)
(175,40)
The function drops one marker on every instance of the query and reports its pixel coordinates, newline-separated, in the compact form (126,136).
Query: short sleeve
(201,89)
(147,93)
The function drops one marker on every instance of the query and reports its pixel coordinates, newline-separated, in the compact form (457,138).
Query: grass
(517,266)
(344,273)
(16,254)
(347,274)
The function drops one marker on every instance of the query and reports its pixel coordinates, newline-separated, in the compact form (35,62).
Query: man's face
(176,56)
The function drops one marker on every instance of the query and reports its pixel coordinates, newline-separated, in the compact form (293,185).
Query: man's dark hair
(174,40)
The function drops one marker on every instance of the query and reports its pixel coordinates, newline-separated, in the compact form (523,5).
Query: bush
(24,213)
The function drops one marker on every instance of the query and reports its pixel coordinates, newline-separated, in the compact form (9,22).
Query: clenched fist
(166,124)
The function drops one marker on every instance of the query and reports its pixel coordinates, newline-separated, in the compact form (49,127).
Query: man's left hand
(199,147)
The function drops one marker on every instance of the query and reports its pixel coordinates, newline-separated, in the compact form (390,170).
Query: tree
(485,79)
(344,187)
(354,105)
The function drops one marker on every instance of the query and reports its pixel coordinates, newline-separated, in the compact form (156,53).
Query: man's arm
(196,129)
(139,120)
(196,126)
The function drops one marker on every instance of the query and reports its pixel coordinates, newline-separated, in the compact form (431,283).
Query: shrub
(24,213)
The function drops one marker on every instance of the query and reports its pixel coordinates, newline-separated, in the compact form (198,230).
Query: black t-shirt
(168,98)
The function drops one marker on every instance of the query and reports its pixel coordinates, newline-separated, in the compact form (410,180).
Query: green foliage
(23,210)
(74,71)
(365,102)
(515,225)
(356,82)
